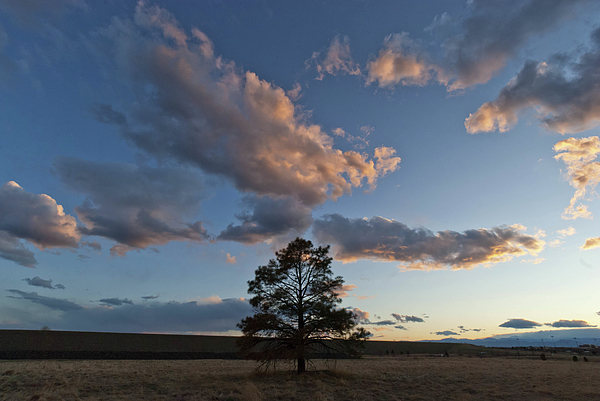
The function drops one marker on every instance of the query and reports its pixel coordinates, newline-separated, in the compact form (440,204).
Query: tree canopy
(297,313)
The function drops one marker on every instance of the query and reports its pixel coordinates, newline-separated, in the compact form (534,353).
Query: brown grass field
(369,378)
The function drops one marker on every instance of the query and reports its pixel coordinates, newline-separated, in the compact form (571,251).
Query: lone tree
(296,313)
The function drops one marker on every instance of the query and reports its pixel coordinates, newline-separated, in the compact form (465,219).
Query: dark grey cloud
(564,90)
(115,301)
(493,31)
(570,323)
(40,282)
(463,329)
(12,249)
(407,318)
(147,297)
(149,317)
(383,323)
(209,113)
(445,333)
(269,218)
(36,218)
(389,240)
(400,327)
(137,206)
(520,324)
(49,302)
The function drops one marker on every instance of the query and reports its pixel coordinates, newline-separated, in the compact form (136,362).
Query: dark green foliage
(575,358)
(296,309)
(543,357)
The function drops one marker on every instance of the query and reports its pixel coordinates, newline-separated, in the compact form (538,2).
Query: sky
(153,154)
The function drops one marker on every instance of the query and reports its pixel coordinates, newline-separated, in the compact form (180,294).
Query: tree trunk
(301,365)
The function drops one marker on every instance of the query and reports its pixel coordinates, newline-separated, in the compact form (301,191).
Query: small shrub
(575,358)
(585,359)
(543,357)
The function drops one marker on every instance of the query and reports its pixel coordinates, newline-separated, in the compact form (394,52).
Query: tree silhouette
(296,313)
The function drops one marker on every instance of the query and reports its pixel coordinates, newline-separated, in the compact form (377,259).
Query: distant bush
(575,358)
(543,357)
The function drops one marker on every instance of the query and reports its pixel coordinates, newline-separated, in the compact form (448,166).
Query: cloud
(407,318)
(445,333)
(137,206)
(463,329)
(336,61)
(401,62)
(270,217)
(583,172)
(570,323)
(36,218)
(342,291)
(361,316)
(49,302)
(206,112)
(591,243)
(481,42)
(564,93)
(230,259)
(389,240)
(520,324)
(147,297)
(383,323)
(149,317)
(400,327)
(115,301)
(93,245)
(40,282)
(12,249)
(566,232)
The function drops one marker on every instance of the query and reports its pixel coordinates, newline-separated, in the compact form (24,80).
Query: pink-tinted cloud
(36,218)
(389,240)
(401,62)
(337,60)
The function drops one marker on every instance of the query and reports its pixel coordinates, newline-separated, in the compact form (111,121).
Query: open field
(370,378)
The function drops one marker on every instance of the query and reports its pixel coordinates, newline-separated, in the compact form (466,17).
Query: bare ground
(372,378)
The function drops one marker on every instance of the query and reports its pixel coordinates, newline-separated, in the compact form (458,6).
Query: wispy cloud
(583,172)
(336,60)
(570,323)
(40,282)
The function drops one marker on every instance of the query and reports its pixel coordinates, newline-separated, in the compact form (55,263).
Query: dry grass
(372,378)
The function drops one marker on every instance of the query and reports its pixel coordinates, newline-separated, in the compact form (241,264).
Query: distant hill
(562,338)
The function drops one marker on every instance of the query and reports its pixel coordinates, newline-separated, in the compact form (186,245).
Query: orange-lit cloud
(343,290)
(400,62)
(563,92)
(230,259)
(337,60)
(583,172)
(209,113)
(591,243)
(389,240)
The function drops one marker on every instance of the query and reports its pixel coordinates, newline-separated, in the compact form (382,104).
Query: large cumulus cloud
(389,240)
(563,90)
(137,206)
(196,108)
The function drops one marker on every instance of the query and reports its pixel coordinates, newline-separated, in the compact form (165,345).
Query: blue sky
(154,154)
